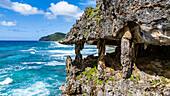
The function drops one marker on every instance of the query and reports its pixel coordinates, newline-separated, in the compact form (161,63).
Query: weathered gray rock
(148,21)
(141,31)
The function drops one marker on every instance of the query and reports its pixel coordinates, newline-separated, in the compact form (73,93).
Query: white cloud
(24,9)
(65,9)
(6,4)
(4,23)
(49,15)
(89,2)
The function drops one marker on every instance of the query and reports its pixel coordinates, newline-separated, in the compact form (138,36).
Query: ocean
(32,68)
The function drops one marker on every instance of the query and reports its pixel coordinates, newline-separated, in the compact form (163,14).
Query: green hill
(53,37)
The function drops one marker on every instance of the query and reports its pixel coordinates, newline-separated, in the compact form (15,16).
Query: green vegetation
(164,81)
(90,12)
(101,30)
(155,82)
(84,93)
(86,33)
(81,82)
(54,37)
(132,78)
(138,77)
(97,8)
(121,73)
(74,32)
(72,89)
(98,19)
(100,82)
(130,93)
(111,79)
(79,76)
(91,75)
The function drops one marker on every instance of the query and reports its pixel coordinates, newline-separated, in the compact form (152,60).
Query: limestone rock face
(88,81)
(148,21)
(140,65)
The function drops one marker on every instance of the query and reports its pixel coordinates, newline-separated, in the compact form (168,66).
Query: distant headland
(53,37)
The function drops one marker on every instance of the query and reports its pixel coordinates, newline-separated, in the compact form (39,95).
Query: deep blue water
(34,68)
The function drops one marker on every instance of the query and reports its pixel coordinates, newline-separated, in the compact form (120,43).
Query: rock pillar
(78,47)
(126,53)
(68,64)
(101,53)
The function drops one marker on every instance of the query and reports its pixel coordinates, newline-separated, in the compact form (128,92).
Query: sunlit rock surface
(140,65)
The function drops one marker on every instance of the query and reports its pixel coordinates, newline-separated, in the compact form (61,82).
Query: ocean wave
(3,76)
(62,51)
(34,67)
(5,70)
(31,49)
(32,52)
(54,63)
(38,88)
(32,62)
(6,81)
(89,51)
(14,57)
(61,45)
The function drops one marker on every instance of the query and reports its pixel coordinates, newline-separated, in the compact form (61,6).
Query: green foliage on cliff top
(53,37)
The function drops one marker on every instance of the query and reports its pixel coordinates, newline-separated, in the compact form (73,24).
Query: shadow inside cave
(153,60)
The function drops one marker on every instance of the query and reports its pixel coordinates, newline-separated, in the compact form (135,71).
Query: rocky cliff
(140,65)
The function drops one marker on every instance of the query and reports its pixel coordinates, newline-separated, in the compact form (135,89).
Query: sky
(32,19)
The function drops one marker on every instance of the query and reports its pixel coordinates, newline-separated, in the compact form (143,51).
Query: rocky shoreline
(85,79)
(140,65)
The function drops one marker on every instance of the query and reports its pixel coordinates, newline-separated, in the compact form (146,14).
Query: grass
(130,93)
(79,76)
(91,74)
(98,19)
(132,78)
(86,33)
(138,77)
(84,93)
(155,82)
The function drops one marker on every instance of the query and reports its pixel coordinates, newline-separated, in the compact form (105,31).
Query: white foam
(6,81)
(95,54)
(3,76)
(62,51)
(38,88)
(61,45)
(54,63)
(33,62)
(33,67)
(32,52)
(89,51)
(5,70)
(18,68)
(58,55)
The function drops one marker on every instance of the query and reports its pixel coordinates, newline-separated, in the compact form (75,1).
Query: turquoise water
(34,68)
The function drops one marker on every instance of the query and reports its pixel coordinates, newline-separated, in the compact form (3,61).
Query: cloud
(4,23)
(24,9)
(65,9)
(89,2)
(49,15)
(17,30)
(6,4)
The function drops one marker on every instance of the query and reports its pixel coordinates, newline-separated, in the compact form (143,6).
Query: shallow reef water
(34,68)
